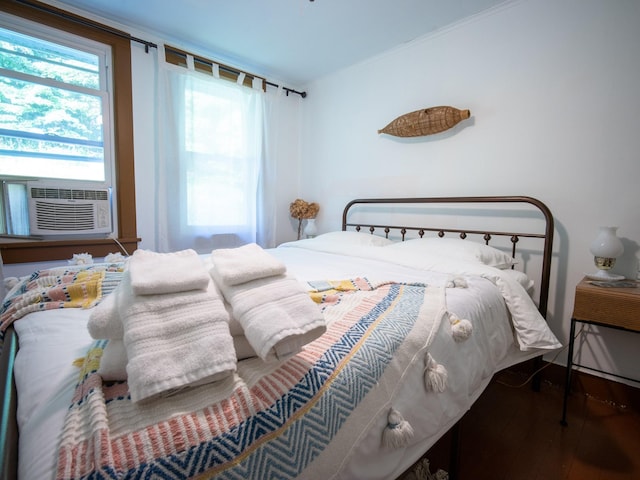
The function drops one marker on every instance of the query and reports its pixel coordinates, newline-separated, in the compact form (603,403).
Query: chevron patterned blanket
(297,419)
(65,287)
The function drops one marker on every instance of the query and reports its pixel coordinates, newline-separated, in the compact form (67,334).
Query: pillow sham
(459,249)
(351,238)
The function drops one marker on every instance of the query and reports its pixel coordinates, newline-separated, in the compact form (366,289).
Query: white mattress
(51,340)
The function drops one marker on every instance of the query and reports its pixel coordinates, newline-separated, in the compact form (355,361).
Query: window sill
(19,251)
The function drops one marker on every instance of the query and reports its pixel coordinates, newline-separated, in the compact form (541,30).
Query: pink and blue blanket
(295,419)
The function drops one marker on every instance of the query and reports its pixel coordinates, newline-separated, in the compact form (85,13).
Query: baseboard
(582,382)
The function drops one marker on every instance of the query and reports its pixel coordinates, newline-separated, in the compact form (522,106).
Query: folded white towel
(174,340)
(245,263)
(243,348)
(155,273)
(104,320)
(113,364)
(278,317)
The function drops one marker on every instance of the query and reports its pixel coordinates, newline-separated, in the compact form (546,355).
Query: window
(119,151)
(227,163)
(53,107)
(54,111)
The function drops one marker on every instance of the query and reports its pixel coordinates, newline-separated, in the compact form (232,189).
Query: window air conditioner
(68,210)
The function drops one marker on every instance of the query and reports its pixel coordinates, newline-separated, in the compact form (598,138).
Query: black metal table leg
(567,383)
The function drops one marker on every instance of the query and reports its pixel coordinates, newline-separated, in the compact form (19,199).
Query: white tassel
(422,471)
(398,432)
(461,329)
(441,475)
(435,375)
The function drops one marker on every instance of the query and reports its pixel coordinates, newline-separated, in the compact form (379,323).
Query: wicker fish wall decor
(425,122)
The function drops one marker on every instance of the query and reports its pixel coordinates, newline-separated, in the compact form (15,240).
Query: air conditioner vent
(57,210)
(52,216)
(69,193)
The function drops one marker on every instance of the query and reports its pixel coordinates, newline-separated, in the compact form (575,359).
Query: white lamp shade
(607,244)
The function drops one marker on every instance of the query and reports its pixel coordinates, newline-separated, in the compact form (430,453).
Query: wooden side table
(610,307)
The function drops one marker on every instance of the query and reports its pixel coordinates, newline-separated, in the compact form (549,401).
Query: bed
(404,326)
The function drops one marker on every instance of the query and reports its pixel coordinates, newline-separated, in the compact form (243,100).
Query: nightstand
(611,307)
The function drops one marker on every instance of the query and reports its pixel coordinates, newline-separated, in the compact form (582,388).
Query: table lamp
(606,247)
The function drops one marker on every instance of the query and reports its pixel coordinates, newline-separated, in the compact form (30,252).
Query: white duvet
(51,340)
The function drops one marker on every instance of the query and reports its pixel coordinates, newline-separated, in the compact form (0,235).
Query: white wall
(553,88)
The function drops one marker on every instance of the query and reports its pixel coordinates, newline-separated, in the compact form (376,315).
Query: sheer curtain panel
(210,156)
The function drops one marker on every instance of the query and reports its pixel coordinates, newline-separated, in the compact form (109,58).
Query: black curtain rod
(233,71)
(87,23)
(286,89)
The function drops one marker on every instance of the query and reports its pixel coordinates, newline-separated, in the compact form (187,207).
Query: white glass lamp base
(604,276)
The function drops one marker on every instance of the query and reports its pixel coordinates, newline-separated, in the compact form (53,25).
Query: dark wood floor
(515,434)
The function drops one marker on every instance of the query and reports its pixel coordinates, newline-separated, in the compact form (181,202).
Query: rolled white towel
(234,325)
(104,320)
(113,364)
(155,273)
(243,348)
(246,263)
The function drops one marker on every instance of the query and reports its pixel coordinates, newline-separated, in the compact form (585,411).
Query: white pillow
(351,238)
(522,278)
(459,249)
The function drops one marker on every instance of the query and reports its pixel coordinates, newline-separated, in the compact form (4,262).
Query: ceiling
(292,41)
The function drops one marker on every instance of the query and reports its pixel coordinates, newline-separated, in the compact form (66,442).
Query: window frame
(20,251)
(103,91)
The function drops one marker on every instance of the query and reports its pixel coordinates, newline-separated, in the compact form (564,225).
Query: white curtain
(210,165)
(274,136)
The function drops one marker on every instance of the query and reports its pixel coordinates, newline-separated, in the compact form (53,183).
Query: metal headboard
(545,234)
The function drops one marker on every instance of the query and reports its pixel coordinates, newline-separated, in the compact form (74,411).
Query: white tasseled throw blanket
(294,419)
